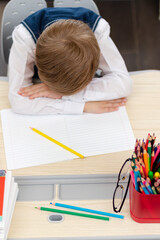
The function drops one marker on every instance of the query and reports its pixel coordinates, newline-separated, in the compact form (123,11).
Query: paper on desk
(88,134)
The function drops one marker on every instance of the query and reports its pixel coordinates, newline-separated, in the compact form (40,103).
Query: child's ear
(34,51)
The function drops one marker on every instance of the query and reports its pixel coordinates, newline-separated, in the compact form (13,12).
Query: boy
(67,45)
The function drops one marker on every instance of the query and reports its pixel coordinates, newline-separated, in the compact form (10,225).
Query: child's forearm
(104,106)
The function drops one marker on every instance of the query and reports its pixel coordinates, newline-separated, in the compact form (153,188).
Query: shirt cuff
(73,107)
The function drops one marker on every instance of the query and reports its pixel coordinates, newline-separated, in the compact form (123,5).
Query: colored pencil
(147,179)
(152,160)
(58,143)
(149,149)
(134,157)
(156,162)
(146,145)
(136,175)
(132,176)
(72,213)
(158,189)
(143,145)
(135,149)
(145,158)
(157,167)
(157,152)
(148,187)
(158,170)
(144,189)
(88,210)
(154,190)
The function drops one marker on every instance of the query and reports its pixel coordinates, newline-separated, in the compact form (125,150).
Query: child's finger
(109,109)
(31,88)
(116,104)
(119,100)
(113,109)
(31,92)
(38,94)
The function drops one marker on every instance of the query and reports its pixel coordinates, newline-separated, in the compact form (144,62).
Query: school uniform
(114,83)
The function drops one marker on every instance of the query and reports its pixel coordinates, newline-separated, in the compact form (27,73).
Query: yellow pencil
(58,143)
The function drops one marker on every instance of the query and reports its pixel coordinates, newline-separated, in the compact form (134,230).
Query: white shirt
(114,84)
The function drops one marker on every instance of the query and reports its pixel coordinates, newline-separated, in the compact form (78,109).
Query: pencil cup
(144,208)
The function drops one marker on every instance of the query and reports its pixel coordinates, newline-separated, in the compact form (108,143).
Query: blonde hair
(67,56)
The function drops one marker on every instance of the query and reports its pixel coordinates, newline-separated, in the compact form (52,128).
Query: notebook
(10,196)
(88,134)
(2,186)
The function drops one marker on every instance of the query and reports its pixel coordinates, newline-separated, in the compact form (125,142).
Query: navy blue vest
(38,21)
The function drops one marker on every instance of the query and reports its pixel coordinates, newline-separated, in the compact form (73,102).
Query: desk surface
(142,106)
(34,224)
(27,222)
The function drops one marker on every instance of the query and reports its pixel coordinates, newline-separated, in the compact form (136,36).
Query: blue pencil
(144,189)
(136,175)
(88,210)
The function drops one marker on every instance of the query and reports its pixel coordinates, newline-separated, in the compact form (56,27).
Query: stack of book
(8,196)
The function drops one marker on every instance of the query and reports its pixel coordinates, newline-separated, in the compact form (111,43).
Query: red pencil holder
(144,208)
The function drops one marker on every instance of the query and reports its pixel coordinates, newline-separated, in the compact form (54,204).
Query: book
(2,185)
(87,134)
(10,196)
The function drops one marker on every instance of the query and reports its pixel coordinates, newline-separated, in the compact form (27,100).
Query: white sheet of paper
(88,134)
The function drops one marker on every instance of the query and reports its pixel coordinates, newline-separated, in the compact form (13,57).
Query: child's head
(67,56)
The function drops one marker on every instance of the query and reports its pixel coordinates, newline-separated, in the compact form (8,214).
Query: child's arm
(104,106)
(21,62)
(41,90)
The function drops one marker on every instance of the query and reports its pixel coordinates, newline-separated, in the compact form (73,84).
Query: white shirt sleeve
(20,70)
(115,82)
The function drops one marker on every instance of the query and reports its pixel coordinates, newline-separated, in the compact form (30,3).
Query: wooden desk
(142,106)
(29,223)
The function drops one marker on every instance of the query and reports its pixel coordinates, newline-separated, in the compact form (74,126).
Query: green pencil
(158,170)
(73,213)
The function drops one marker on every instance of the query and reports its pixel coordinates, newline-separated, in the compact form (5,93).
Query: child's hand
(38,90)
(104,106)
